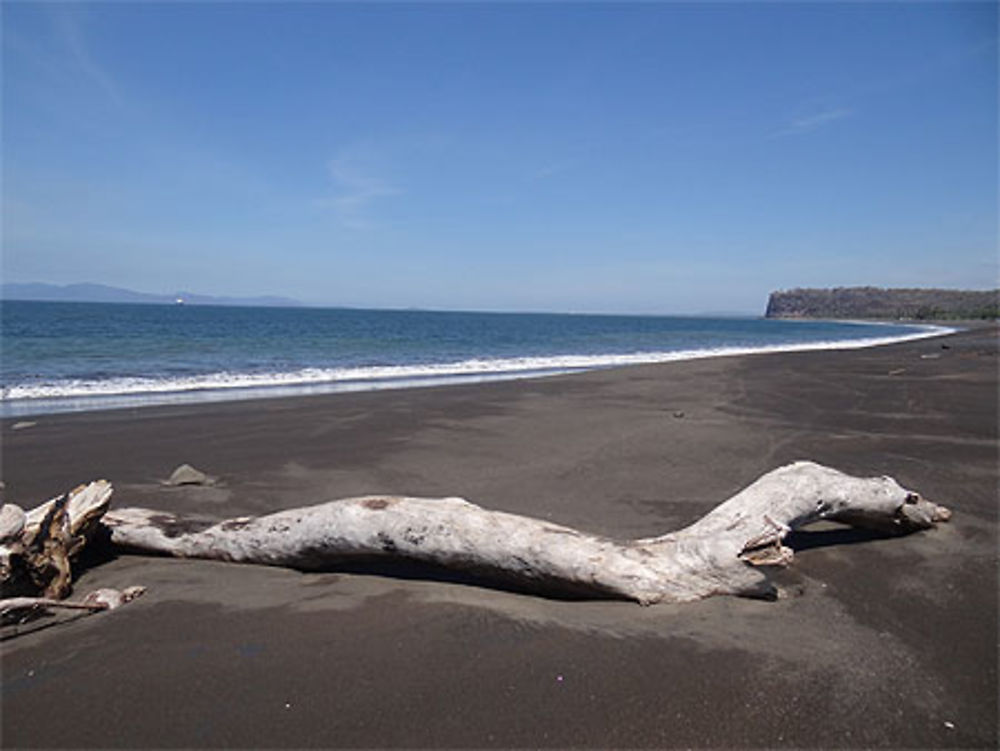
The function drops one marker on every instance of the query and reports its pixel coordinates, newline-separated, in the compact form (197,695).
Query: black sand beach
(884,642)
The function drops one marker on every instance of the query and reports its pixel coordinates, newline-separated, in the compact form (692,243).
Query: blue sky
(647,158)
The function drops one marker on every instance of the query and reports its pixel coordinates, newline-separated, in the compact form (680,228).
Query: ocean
(61,357)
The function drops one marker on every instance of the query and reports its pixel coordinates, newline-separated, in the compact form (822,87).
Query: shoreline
(212,388)
(881,643)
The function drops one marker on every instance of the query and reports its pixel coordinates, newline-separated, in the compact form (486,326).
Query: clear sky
(648,158)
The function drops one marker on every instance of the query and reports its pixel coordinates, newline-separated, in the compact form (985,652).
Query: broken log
(21,609)
(725,552)
(37,547)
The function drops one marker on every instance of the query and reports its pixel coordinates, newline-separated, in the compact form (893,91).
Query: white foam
(358,378)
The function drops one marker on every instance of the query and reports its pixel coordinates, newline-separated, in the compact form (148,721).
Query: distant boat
(179,301)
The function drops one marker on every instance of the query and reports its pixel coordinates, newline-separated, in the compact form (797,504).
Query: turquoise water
(78,356)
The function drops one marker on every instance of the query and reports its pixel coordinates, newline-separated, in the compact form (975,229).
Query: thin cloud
(551,170)
(814,122)
(72,35)
(358,188)
(56,64)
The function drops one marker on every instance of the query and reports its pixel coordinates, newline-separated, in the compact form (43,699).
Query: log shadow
(98,551)
(32,622)
(406,569)
(811,539)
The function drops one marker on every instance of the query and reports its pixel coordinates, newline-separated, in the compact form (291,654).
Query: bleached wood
(12,521)
(84,504)
(720,554)
(37,546)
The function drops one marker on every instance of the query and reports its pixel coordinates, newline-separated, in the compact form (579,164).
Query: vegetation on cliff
(876,302)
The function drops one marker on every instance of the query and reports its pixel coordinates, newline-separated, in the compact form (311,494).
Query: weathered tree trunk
(719,554)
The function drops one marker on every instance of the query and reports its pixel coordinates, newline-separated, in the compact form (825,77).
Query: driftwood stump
(36,547)
(39,547)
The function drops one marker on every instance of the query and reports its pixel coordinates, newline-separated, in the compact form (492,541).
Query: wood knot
(377,504)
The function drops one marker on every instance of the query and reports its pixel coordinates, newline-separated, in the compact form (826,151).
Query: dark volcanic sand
(887,643)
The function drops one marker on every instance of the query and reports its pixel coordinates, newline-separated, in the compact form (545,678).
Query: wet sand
(882,642)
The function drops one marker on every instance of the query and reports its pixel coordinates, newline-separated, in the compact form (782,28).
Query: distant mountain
(875,302)
(103,293)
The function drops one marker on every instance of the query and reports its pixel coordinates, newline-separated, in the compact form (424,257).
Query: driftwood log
(722,553)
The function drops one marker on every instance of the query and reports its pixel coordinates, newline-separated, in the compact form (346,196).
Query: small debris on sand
(185,474)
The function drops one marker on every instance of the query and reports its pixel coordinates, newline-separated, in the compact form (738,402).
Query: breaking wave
(318,379)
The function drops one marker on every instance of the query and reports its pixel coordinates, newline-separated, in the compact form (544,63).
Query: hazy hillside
(875,302)
(103,293)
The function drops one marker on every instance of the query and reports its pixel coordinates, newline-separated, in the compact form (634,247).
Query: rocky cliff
(875,302)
